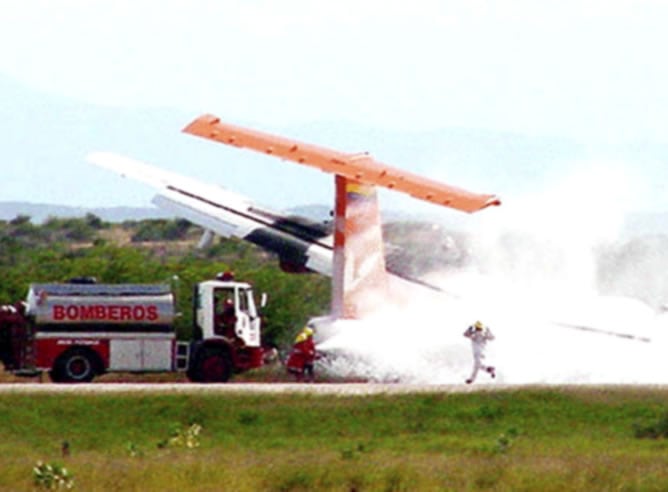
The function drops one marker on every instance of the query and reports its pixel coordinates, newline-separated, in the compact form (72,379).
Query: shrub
(52,477)
(161,230)
(652,430)
(183,437)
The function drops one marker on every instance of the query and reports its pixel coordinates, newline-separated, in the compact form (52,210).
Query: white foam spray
(532,279)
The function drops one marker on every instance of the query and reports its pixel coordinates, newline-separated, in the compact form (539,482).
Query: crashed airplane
(351,252)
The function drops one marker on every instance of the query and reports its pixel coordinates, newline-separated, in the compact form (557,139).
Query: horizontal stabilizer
(361,168)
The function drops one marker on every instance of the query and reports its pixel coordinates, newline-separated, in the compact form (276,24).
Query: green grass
(531,439)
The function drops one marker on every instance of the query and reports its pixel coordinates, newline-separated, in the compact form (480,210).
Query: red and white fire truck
(78,330)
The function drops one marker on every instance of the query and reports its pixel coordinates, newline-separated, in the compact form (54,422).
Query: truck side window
(243,301)
(224,312)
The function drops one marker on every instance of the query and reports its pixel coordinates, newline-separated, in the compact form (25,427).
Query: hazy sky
(580,68)
(588,70)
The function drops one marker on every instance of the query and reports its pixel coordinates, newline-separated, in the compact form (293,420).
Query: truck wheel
(74,366)
(212,366)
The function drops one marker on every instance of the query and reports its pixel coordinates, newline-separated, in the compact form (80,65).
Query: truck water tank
(113,305)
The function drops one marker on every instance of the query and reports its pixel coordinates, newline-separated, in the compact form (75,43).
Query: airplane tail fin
(359,278)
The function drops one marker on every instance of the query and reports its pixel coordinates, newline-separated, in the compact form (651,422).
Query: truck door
(248,328)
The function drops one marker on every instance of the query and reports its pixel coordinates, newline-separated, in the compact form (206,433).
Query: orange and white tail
(359,278)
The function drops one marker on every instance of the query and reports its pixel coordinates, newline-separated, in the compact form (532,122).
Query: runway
(347,389)
(250,388)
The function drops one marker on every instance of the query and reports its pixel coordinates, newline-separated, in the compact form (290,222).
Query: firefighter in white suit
(479,335)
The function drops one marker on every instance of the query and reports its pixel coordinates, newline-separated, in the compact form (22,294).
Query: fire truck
(78,330)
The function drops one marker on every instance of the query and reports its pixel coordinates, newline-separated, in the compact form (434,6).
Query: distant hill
(39,212)
(637,224)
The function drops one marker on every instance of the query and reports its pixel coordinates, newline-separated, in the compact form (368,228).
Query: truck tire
(74,366)
(212,366)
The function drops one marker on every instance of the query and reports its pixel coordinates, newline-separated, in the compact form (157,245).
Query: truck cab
(227,331)
(226,309)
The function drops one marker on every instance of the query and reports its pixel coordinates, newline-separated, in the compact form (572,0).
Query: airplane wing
(301,244)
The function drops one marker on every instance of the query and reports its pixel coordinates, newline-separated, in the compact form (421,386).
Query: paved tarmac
(268,388)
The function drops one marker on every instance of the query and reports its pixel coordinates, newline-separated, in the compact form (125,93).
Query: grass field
(526,439)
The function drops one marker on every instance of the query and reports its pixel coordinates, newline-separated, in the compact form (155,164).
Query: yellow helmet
(300,338)
(308,331)
(478,325)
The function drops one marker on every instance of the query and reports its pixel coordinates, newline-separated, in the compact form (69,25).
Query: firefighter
(303,354)
(227,318)
(479,335)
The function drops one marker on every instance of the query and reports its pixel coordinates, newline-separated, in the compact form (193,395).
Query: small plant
(489,412)
(348,454)
(248,418)
(298,479)
(133,450)
(52,477)
(504,441)
(185,438)
(652,430)
(351,453)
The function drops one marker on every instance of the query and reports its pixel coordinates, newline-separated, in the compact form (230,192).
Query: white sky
(585,68)
(590,70)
